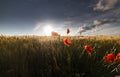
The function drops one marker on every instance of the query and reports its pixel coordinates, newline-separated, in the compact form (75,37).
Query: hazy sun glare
(48,29)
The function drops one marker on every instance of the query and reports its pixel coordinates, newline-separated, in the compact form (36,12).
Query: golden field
(46,56)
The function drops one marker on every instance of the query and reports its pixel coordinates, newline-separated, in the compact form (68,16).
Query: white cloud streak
(95,24)
(105,5)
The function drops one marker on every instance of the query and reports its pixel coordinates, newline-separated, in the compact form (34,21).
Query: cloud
(37,27)
(99,23)
(108,30)
(105,4)
(96,23)
(84,28)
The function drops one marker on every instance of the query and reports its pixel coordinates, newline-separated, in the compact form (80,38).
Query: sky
(40,17)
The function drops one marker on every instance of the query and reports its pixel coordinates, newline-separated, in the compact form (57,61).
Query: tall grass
(34,56)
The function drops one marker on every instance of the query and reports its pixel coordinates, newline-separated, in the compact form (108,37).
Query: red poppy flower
(118,58)
(118,55)
(109,58)
(88,48)
(67,41)
(118,44)
(68,31)
(54,34)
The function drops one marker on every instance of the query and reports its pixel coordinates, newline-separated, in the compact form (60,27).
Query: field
(37,56)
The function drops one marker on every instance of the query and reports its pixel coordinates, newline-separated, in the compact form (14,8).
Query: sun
(48,29)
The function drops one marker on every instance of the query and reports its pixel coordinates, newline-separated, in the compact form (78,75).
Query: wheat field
(46,56)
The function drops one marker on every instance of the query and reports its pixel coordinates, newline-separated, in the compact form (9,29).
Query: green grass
(34,56)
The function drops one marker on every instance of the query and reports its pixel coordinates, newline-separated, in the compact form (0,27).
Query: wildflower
(118,44)
(118,55)
(109,58)
(54,34)
(68,31)
(118,58)
(67,41)
(88,48)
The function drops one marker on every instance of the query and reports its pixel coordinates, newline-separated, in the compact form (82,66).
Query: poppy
(119,44)
(88,48)
(67,41)
(68,31)
(109,58)
(118,55)
(118,58)
(55,34)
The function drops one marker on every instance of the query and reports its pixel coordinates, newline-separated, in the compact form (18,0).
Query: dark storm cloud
(67,13)
(42,9)
(61,10)
(112,16)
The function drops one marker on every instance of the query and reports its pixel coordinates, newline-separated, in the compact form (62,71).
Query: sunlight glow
(48,29)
